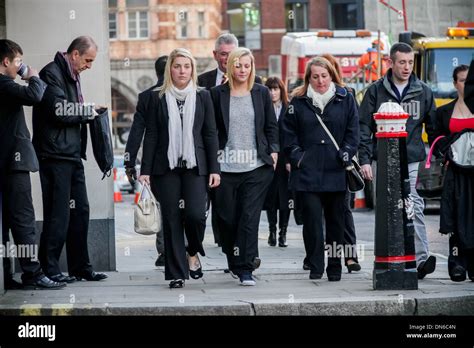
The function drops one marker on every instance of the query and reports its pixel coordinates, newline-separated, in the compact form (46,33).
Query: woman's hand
(144,179)
(288,167)
(366,170)
(275,159)
(214,180)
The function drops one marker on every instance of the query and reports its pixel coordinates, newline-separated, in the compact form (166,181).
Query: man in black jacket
(401,85)
(17,160)
(135,140)
(60,140)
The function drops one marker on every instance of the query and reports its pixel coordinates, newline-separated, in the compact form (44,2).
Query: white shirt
(219,76)
(277,107)
(401,87)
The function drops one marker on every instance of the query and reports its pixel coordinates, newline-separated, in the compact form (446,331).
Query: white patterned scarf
(321,100)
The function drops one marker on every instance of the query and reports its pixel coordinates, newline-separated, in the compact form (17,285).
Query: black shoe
(272,241)
(256,262)
(61,278)
(315,276)
(334,277)
(43,283)
(282,238)
(196,274)
(91,276)
(426,267)
(160,261)
(176,284)
(12,284)
(226,270)
(458,274)
(306,266)
(353,267)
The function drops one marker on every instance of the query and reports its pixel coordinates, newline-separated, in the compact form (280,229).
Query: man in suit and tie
(225,43)
(135,139)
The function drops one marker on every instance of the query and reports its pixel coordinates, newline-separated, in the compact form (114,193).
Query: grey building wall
(42,30)
(2,20)
(430,17)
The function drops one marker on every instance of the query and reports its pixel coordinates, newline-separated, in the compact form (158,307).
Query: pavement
(283,287)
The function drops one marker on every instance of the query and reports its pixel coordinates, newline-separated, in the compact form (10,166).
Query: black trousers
(214,219)
(272,218)
(65,215)
(181,191)
(350,243)
(460,257)
(240,199)
(18,216)
(313,236)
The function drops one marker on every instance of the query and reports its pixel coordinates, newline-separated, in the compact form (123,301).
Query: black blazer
(443,116)
(208,79)
(155,146)
(265,120)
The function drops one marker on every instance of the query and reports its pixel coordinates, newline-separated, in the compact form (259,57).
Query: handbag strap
(428,161)
(145,186)
(327,131)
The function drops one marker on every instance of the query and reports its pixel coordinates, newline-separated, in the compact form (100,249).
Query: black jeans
(18,216)
(65,215)
(181,191)
(240,199)
(313,236)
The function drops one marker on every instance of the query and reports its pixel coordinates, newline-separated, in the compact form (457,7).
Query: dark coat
(17,152)
(208,79)
(278,195)
(418,102)
(138,125)
(60,132)
(469,88)
(265,120)
(155,145)
(316,165)
(443,116)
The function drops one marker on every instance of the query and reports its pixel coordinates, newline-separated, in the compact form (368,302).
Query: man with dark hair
(135,139)
(401,85)
(60,140)
(17,160)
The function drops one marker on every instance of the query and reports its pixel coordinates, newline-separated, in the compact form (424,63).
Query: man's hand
(366,170)
(31,73)
(131,175)
(144,179)
(214,180)
(275,159)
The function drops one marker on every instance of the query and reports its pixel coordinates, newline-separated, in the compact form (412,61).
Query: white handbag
(147,213)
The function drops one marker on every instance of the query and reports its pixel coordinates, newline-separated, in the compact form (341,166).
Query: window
(244,22)
(137,24)
(113,4)
(201,25)
(137,3)
(296,15)
(182,24)
(112,25)
(346,14)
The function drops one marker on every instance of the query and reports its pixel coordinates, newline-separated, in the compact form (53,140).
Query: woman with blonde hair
(317,167)
(180,161)
(249,145)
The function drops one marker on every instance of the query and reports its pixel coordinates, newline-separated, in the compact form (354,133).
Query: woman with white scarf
(317,167)
(180,162)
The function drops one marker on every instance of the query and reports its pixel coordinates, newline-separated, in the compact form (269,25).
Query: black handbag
(431,172)
(101,139)
(354,179)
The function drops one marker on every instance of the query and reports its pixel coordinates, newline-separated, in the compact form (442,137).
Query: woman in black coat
(180,161)
(278,195)
(457,199)
(249,146)
(317,168)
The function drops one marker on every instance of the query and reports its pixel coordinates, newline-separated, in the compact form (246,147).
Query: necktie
(224,79)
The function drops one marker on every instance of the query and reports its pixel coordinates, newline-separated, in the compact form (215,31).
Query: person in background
(135,139)
(370,62)
(278,195)
(180,162)
(317,167)
(457,200)
(401,85)
(17,160)
(247,126)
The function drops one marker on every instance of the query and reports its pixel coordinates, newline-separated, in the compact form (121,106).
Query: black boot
(282,238)
(272,236)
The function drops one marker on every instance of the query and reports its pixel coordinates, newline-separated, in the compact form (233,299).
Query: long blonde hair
(168,81)
(234,57)
(323,63)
